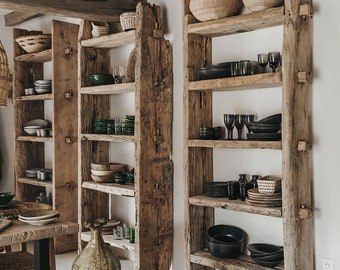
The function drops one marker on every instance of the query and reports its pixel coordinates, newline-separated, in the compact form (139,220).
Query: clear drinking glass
(262,59)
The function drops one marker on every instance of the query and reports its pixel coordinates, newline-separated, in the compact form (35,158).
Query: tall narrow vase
(96,255)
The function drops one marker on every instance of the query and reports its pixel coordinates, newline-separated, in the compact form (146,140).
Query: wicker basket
(269,184)
(204,10)
(258,5)
(99,29)
(35,43)
(128,20)
(4,76)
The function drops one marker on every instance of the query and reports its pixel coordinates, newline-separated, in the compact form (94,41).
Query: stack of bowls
(266,255)
(32,127)
(101,126)
(43,86)
(208,133)
(266,128)
(221,70)
(105,172)
(216,189)
(226,241)
(129,125)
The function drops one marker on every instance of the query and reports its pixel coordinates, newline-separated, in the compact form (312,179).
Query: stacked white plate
(39,217)
(43,86)
(32,126)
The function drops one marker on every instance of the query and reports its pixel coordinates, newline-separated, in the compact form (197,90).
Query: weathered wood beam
(16,17)
(91,10)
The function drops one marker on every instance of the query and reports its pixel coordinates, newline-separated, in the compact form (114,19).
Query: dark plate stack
(226,241)
(216,189)
(221,70)
(266,255)
(266,129)
(120,177)
(101,126)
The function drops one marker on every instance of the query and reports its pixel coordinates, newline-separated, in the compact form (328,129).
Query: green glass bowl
(102,79)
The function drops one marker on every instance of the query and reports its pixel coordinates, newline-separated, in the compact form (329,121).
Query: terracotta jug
(96,255)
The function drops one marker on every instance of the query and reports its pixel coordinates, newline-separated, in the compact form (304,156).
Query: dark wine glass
(229,124)
(262,58)
(274,60)
(239,124)
(248,119)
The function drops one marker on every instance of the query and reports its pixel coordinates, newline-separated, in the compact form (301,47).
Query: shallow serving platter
(38,222)
(36,215)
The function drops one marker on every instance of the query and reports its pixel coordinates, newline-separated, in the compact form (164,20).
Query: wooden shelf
(243,262)
(235,205)
(238,24)
(34,139)
(111,41)
(111,188)
(40,57)
(35,182)
(108,137)
(242,144)
(122,244)
(35,97)
(110,89)
(265,80)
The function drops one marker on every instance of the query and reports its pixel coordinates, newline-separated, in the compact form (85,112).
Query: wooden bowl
(100,166)
(101,173)
(258,5)
(116,167)
(204,10)
(102,179)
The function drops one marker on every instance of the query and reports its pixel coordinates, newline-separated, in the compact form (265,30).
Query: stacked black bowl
(265,129)
(221,70)
(266,255)
(210,133)
(130,124)
(226,241)
(215,189)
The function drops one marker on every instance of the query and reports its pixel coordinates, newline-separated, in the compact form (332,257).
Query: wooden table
(20,232)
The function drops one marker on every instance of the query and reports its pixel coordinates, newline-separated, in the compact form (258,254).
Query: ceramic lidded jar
(96,255)
(204,10)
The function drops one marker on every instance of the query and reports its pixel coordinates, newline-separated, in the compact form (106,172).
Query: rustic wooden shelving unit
(153,187)
(296,212)
(30,150)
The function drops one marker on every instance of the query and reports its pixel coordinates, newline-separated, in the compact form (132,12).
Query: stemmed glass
(248,119)
(229,124)
(262,58)
(274,60)
(239,124)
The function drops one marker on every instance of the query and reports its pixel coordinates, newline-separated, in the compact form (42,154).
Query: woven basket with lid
(204,10)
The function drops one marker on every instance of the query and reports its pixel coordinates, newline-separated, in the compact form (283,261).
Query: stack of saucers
(266,255)
(43,86)
(215,189)
(39,217)
(129,125)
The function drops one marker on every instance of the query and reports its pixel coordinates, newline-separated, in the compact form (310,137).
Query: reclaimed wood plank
(16,17)
(111,41)
(242,144)
(111,89)
(296,126)
(258,81)
(65,125)
(111,188)
(235,205)
(238,24)
(108,137)
(34,182)
(34,139)
(35,97)
(39,57)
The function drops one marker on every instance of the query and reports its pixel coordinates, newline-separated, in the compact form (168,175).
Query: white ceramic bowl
(102,173)
(31,130)
(258,5)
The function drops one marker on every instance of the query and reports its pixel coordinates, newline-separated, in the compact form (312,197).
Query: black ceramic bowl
(272,119)
(225,250)
(213,73)
(6,197)
(269,258)
(266,263)
(264,249)
(255,127)
(226,234)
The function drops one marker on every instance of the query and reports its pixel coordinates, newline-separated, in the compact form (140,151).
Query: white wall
(325,112)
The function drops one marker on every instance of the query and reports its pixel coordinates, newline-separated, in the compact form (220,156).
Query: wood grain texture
(43,56)
(16,17)
(297,52)
(245,144)
(65,124)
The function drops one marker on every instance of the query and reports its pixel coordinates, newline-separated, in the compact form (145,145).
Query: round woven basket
(4,76)
(258,5)
(35,43)
(128,20)
(99,29)
(204,10)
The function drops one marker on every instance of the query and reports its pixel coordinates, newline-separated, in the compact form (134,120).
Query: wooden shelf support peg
(305,212)
(306,10)
(304,77)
